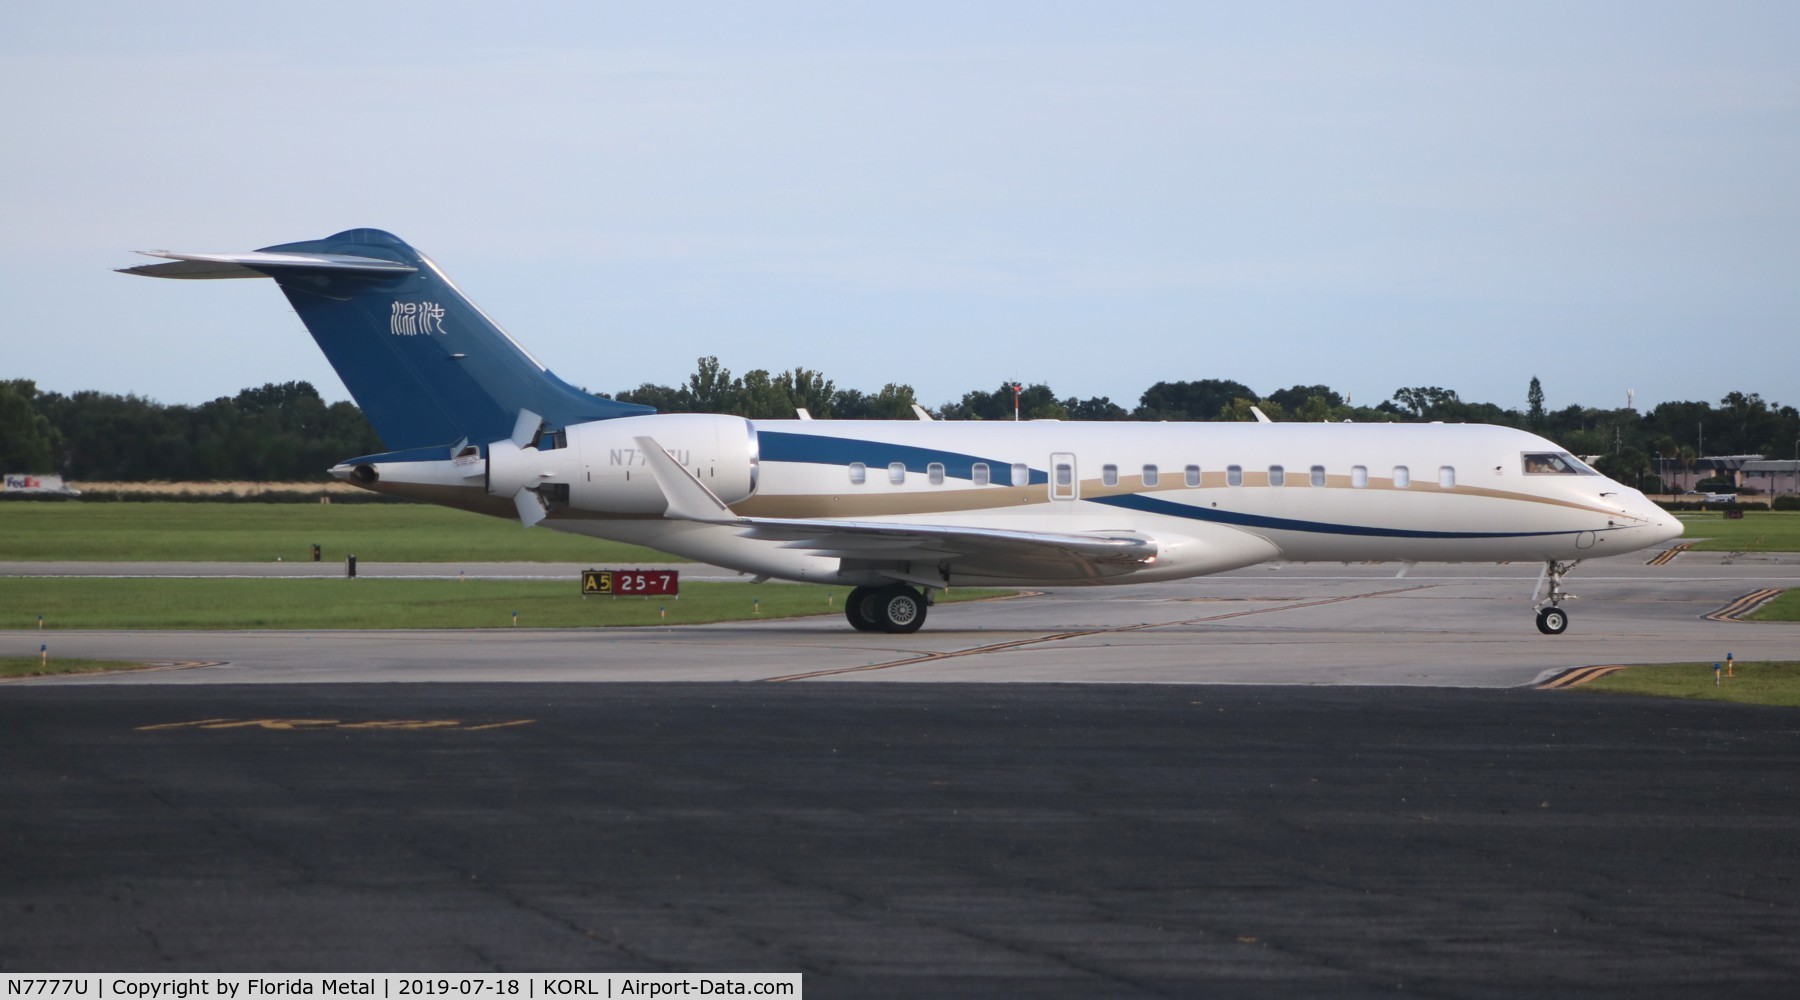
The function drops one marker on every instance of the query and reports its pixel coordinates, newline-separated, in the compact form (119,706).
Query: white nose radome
(1665,525)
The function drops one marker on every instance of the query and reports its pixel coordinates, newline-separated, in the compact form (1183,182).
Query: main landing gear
(894,608)
(1551,618)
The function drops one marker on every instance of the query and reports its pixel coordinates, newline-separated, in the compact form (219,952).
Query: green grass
(1774,683)
(32,666)
(1759,531)
(336,603)
(1784,608)
(254,532)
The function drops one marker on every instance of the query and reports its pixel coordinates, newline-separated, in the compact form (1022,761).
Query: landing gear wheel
(899,609)
(1551,618)
(859,608)
(1553,621)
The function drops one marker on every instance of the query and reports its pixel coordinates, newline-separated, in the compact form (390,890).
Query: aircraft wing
(994,552)
(891,546)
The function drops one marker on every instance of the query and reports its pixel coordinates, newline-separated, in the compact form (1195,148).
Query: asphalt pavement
(911,839)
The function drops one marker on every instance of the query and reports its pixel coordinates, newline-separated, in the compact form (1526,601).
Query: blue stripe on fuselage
(1152,505)
(811,449)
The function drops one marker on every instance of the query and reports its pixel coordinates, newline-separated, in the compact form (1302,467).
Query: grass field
(1785,608)
(32,666)
(253,532)
(1759,531)
(1775,683)
(336,603)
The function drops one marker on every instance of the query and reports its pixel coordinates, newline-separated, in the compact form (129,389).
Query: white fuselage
(1213,496)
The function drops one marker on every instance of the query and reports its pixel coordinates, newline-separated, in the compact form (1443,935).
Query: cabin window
(1277,476)
(897,473)
(1021,474)
(1359,477)
(1402,477)
(935,473)
(1234,475)
(978,473)
(1318,475)
(859,473)
(1447,476)
(1109,475)
(1555,463)
(1065,475)
(1151,476)
(1192,476)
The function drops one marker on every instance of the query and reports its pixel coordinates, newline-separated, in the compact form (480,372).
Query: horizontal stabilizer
(261,264)
(426,365)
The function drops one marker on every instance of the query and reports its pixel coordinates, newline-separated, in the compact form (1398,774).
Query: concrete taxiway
(1457,626)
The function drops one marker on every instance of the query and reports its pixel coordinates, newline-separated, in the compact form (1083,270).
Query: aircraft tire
(859,609)
(899,609)
(1553,621)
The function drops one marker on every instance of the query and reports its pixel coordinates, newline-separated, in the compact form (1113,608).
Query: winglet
(688,498)
(1261,417)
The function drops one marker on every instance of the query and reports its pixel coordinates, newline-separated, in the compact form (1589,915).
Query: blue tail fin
(425,364)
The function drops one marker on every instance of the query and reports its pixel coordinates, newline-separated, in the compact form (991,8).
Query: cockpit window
(1555,463)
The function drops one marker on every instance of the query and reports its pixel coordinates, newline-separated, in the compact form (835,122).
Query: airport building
(1745,472)
(1772,476)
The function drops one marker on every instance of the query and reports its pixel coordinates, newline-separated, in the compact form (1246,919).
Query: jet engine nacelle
(606,471)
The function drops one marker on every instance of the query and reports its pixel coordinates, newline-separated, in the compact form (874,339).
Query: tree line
(276,433)
(286,432)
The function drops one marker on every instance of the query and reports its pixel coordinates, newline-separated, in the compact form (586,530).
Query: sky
(1096,196)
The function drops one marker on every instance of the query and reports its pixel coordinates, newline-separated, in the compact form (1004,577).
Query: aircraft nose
(1665,525)
(1658,524)
(1653,525)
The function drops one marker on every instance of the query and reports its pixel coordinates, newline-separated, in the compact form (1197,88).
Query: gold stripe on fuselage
(864,502)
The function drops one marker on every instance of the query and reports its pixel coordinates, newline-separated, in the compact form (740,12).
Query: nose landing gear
(1552,621)
(1551,618)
